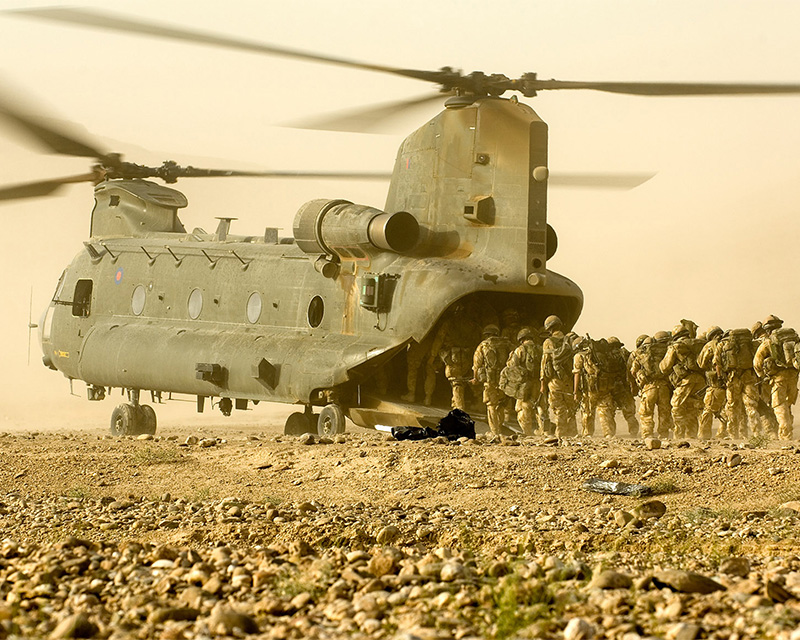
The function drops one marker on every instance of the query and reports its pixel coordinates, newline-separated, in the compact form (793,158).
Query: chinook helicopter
(326,318)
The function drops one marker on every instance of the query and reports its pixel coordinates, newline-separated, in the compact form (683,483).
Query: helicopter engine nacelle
(339,227)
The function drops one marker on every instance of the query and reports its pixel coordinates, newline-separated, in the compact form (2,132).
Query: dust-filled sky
(712,237)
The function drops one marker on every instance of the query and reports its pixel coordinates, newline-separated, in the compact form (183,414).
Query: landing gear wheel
(147,420)
(123,420)
(330,421)
(297,424)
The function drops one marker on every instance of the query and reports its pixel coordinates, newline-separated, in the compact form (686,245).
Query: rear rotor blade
(599,180)
(668,88)
(41,187)
(193,172)
(366,120)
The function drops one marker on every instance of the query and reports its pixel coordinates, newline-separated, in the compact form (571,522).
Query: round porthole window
(137,300)
(316,309)
(195,303)
(254,307)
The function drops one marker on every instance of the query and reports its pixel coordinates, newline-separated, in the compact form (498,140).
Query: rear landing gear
(330,421)
(299,423)
(132,420)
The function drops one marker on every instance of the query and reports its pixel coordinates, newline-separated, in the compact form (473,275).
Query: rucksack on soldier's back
(782,346)
(650,357)
(560,360)
(736,350)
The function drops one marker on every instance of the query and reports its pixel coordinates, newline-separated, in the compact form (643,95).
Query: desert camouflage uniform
(520,379)
(557,379)
(680,365)
(593,378)
(489,359)
(714,399)
(654,388)
(453,344)
(780,369)
(621,389)
(742,394)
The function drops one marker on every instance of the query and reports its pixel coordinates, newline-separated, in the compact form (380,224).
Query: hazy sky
(712,237)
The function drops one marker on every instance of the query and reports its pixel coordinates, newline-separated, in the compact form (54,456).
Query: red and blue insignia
(118,276)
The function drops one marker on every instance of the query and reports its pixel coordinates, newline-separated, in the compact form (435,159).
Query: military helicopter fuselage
(313,319)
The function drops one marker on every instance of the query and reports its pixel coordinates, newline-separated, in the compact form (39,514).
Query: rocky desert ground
(225,530)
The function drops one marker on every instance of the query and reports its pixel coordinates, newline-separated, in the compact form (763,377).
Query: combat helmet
(661,336)
(640,340)
(680,331)
(553,323)
(772,322)
(690,326)
(491,330)
(713,332)
(525,333)
(615,342)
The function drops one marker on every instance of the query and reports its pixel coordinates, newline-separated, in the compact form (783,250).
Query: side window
(82,300)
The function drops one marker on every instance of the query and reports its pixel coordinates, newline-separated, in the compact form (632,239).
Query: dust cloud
(711,237)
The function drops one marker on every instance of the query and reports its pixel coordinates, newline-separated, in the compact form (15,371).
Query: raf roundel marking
(118,276)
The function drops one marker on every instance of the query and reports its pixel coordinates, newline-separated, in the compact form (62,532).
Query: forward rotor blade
(668,88)
(193,172)
(599,180)
(366,120)
(110,22)
(53,134)
(41,187)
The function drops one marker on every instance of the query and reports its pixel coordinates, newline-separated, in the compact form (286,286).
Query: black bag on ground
(456,424)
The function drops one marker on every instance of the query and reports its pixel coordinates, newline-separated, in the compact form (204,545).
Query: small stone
(794,505)
(650,509)
(609,464)
(307,438)
(623,517)
(227,621)
(387,535)
(777,592)
(578,629)
(739,567)
(652,443)
(191,440)
(176,614)
(74,626)
(733,459)
(682,444)
(205,443)
(610,579)
(686,582)
(452,571)
(144,436)
(683,631)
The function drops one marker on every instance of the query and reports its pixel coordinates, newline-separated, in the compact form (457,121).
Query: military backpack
(559,361)
(736,350)
(650,356)
(783,347)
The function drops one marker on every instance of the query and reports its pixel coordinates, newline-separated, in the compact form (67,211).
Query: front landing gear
(132,420)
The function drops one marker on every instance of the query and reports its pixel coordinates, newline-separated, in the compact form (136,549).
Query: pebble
(579,629)
(652,443)
(686,581)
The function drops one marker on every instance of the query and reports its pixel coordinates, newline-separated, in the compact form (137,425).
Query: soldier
(520,378)
(654,389)
(776,361)
(681,368)
(592,375)
(510,323)
(487,363)
(621,388)
(734,363)
(557,378)
(580,345)
(714,399)
(453,344)
(765,411)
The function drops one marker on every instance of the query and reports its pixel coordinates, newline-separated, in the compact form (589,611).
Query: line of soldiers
(745,378)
